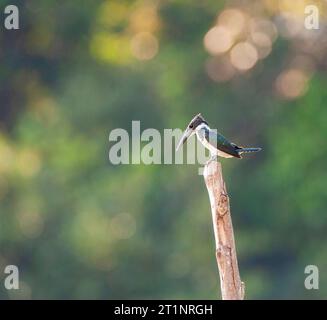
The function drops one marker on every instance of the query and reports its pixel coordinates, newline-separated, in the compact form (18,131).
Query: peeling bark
(232,288)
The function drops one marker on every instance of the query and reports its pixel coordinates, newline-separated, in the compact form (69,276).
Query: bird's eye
(191,126)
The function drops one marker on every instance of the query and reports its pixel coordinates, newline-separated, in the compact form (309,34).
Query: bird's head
(191,128)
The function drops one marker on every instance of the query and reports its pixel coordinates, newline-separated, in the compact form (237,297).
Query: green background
(79,227)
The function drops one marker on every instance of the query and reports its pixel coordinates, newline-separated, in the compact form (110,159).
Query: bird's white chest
(200,133)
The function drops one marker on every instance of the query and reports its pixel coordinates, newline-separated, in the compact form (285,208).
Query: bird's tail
(249,150)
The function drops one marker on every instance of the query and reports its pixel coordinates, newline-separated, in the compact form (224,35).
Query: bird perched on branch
(217,144)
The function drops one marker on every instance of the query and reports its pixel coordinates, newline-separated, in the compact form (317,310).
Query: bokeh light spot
(263,44)
(144,18)
(144,46)
(110,48)
(219,69)
(290,25)
(218,40)
(234,20)
(291,83)
(243,56)
(264,26)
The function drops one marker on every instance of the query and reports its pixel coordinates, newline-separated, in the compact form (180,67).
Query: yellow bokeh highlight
(124,31)
(112,48)
(295,7)
(113,13)
(144,19)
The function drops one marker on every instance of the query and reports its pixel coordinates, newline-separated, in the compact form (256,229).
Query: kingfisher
(217,144)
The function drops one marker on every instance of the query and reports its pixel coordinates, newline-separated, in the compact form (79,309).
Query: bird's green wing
(218,141)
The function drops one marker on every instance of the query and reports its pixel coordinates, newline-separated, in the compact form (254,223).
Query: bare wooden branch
(232,288)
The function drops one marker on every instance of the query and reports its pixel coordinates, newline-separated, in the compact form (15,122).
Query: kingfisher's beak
(187,133)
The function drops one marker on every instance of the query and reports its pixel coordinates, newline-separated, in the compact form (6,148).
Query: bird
(217,144)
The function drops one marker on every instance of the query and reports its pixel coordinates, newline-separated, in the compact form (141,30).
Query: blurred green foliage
(79,227)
